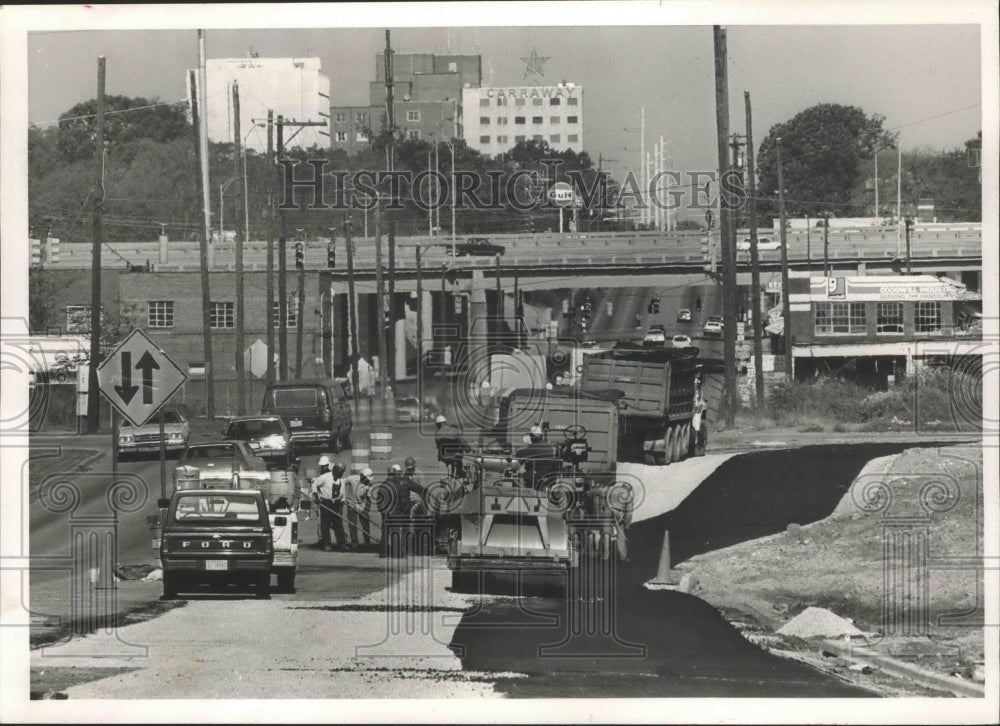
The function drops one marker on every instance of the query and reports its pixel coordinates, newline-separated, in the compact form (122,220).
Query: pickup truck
(217,536)
(317,414)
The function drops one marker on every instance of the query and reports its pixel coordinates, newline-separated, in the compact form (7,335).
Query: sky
(925,79)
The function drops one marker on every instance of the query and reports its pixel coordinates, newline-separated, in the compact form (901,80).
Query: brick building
(879,326)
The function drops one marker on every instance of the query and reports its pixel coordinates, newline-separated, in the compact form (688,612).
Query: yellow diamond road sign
(138,378)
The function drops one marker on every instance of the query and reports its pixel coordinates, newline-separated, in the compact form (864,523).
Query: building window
(571,119)
(413,115)
(519,120)
(502,120)
(77,318)
(840,318)
(160,314)
(290,315)
(501,139)
(222,314)
(484,139)
(572,138)
(554,120)
(555,101)
(484,120)
(889,317)
(413,134)
(453,67)
(928,319)
(341,136)
(361,137)
(484,103)
(536,102)
(571,101)
(339,118)
(518,139)
(538,137)
(554,138)
(537,120)
(360,118)
(518,101)
(501,100)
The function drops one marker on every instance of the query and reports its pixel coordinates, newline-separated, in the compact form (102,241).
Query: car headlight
(124,440)
(273,442)
(175,436)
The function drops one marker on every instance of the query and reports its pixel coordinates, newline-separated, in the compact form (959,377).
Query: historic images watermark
(521,190)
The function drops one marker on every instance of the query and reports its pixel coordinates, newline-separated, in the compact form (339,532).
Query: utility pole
(282,266)
(269,293)
(420,322)
(758,329)
(392,302)
(643,184)
(786,313)
(93,392)
(726,229)
(826,244)
(390,104)
(241,386)
(352,313)
(206,295)
(300,312)
(380,301)
(909,226)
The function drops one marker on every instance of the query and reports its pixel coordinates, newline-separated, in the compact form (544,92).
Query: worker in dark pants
(356,496)
(326,490)
(538,459)
(394,502)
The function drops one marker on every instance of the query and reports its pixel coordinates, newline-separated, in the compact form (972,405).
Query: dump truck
(662,404)
(529,515)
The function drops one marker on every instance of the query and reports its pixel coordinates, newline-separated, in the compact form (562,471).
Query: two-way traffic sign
(138,378)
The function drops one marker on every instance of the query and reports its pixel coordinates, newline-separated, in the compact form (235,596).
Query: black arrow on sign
(147,364)
(126,391)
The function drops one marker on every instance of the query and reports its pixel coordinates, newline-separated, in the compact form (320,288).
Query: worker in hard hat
(450,445)
(356,498)
(412,476)
(327,492)
(538,459)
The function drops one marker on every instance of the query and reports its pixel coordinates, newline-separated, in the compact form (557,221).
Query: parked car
(316,413)
(267,436)
(146,438)
(681,341)
(684,315)
(763,243)
(217,536)
(656,335)
(714,325)
(408,410)
(478,246)
(215,464)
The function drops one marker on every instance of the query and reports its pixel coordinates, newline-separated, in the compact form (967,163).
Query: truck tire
(286,579)
(169,586)
(262,585)
(670,444)
(681,442)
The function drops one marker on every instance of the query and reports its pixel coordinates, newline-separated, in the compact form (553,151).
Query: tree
(821,149)
(125,119)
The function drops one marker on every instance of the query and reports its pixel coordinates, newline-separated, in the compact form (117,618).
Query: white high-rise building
(295,88)
(497,118)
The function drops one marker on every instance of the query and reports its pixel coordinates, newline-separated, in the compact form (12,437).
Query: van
(318,414)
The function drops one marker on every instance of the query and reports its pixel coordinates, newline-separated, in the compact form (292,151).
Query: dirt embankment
(888,559)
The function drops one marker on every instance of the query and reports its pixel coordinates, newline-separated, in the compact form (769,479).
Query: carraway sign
(138,378)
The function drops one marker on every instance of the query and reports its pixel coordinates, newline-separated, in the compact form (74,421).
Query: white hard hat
(324,461)
(440,419)
(536,431)
(395,469)
(367,473)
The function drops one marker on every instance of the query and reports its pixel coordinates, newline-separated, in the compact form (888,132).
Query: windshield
(169,417)
(198,507)
(295,398)
(218,451)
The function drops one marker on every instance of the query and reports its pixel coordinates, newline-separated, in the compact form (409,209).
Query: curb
(899,668)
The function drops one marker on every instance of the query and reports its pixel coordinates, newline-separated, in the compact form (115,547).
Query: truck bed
(657,384)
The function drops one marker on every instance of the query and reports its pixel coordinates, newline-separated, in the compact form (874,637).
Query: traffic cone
(665,579)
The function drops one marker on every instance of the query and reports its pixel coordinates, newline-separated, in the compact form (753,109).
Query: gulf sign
(562,194)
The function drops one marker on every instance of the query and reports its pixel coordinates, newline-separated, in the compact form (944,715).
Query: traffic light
(707,254)
(697,304)
(331,255)
(654,306)
(300,256)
